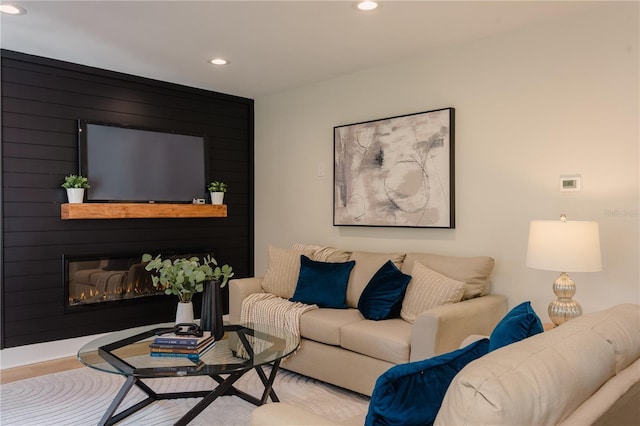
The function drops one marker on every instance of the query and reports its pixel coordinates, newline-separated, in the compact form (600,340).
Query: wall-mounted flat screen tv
(129,164)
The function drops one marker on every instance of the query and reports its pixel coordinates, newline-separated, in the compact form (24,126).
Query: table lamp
(564,246)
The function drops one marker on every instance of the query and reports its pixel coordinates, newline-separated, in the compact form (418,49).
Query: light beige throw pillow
(283,269)
(428,289)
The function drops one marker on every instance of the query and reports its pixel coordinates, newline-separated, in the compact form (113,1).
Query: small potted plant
(217,190)
(75,186)
(184,277)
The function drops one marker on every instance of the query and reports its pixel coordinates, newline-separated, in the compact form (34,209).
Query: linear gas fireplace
(98,279)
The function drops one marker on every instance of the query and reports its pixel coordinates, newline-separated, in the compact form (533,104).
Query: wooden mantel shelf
(140,210)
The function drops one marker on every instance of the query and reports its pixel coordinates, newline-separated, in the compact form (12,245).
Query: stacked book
(172,345)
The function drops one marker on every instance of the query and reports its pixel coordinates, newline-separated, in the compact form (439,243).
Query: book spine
(163,346)
(170,341)
(174,351)
(194,357)
(207,347)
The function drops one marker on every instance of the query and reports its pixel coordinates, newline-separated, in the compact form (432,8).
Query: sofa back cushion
(367,264)
(283,269)
(619,325)
(543,379)
(473,271)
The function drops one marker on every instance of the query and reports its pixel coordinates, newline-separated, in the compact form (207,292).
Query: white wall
(558,98)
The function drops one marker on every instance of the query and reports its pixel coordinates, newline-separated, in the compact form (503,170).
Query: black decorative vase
(211,315)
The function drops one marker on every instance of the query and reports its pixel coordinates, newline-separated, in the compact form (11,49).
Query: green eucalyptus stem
(183,277)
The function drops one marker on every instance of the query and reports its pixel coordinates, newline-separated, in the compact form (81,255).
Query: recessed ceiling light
(218,61)
(367,5)
(11,9)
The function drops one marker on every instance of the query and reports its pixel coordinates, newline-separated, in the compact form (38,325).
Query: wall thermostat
(570,183)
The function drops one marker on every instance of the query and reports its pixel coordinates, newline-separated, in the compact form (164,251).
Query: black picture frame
(396,172)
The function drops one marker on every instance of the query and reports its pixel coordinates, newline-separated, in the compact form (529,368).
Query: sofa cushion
(411,394)
(519,323)
(428,289)
(322,283)
(323,325)
(324,253)
(283,269)
(473,271)
(620,326)
(537,381)
(367,263)
(388,340)
(382,297)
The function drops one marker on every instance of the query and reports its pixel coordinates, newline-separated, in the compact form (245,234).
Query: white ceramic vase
(184,313)
(75,195)
(217,197)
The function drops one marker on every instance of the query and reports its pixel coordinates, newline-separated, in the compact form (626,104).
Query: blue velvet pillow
(520,323)
(382,297)
(323,283)
(411,394)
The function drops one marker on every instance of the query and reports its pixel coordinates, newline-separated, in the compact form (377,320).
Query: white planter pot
(184,313)
(75,195)
(217,197)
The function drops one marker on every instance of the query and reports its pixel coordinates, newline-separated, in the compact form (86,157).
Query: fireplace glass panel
(99,279)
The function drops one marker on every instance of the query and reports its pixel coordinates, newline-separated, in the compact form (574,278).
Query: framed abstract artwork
(396,171)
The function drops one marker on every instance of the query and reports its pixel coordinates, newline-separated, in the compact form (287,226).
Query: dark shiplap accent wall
(42,99)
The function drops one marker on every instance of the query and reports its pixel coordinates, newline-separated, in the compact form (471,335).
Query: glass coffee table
(127,353)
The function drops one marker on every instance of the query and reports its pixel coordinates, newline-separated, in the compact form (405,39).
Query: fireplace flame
(118,288)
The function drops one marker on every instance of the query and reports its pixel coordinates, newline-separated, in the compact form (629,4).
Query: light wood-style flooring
(40,369)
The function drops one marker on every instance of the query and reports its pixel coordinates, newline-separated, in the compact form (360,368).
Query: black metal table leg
(107,418)
(268,383)
(225,387)
(220,390)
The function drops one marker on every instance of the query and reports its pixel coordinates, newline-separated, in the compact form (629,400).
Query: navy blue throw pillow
(412,393)
(323,283)
(521,322)
(382,297)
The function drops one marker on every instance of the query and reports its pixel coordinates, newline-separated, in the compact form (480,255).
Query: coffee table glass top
(127,352)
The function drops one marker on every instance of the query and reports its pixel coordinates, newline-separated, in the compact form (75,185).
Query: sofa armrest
(238,290)
(472,339)
(442,329)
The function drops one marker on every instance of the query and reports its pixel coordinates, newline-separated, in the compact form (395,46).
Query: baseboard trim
(39,369)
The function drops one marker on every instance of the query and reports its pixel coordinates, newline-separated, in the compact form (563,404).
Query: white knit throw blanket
(269,309)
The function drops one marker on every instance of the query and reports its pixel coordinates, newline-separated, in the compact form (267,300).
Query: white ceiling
(272,45)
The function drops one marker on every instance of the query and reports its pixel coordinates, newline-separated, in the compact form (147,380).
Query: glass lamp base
(562,310)
(564,307)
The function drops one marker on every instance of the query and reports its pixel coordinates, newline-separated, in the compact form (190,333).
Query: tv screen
(127,164)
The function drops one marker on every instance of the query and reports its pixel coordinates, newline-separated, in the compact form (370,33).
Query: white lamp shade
(560,246)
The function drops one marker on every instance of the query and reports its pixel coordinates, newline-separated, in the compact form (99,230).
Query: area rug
(80,397)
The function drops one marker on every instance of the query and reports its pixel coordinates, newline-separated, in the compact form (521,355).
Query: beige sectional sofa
(584,372)
(341,347)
